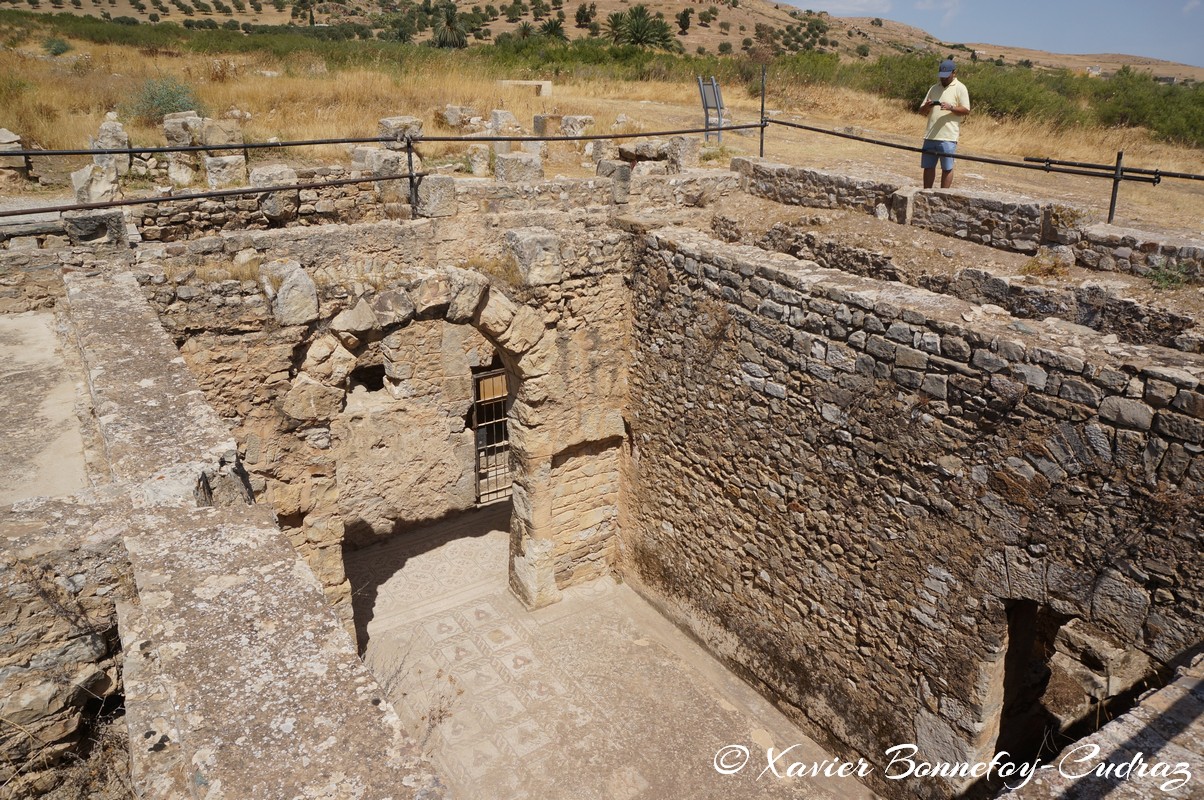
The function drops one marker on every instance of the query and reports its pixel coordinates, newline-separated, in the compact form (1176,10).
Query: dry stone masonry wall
(348,377)
(896,486)
(1005,222)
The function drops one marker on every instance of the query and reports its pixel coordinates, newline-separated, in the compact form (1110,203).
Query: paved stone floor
(597,696)
(42,450)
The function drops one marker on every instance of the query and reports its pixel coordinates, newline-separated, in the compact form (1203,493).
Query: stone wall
(1092,304)
(798,186)
(29,281)
(1007,222)
(343,360)
(861,495)
(60,657)
(1108,247)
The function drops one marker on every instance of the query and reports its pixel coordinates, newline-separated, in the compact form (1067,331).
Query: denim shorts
(933,149)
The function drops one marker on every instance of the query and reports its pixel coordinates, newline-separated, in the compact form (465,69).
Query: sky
(1172,30)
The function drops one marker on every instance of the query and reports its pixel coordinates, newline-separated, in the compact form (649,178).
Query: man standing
(946,104)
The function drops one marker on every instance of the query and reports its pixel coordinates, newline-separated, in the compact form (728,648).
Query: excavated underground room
(545,495)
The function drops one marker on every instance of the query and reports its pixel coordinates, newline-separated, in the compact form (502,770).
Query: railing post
(1116,178)
(410,170)
(764,68)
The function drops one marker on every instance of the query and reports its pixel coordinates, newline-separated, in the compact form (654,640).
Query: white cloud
(951,8)
(1191,6)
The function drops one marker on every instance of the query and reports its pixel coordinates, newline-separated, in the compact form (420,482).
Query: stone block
(182,129)
(501,121)
(547,124)
(620,174)
(432,296)
(220,132)
(276,206)
(359,319)
(93,228)
(456,116)
(518,167)
(436,196)
(112,136)
(468,290)
(181,173)
(683,152)
(493,318)
(575,124)
(225,171)
(478,160)
(292,292)
(393,307)
(96,183)
(1120,606)
(308,400)
(1126,413)
(397,129)
(643,150)
(537,252)
(524,331)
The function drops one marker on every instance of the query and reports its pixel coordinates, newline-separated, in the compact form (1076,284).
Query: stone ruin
(954,513)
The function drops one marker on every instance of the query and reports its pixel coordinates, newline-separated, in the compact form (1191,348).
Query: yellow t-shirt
(945,126)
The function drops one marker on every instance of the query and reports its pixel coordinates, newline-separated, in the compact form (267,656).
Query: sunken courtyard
(527,487)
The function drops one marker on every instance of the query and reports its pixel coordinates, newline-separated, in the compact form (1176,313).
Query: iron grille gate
(490,404)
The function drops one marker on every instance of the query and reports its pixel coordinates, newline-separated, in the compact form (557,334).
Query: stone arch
(529,354)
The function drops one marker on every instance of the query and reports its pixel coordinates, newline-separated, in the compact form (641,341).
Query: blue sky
(1168,29)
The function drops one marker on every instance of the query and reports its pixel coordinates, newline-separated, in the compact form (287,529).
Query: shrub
(55,47)
(159,97)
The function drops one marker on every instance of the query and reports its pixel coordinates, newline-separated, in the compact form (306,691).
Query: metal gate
(491,402)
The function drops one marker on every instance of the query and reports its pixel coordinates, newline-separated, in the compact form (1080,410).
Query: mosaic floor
(594,697)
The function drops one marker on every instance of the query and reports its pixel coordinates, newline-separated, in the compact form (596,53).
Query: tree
(553,29)
(683,20)
(876,22)
(582,16)
(725,48)
(448,29)
(525,30)
(644,30)
(616,25)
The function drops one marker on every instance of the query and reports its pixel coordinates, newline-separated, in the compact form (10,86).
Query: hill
(697,26)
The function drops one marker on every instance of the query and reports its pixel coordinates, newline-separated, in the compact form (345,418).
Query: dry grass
(61,107)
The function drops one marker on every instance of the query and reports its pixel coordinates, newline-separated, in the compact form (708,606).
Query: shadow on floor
(366,574)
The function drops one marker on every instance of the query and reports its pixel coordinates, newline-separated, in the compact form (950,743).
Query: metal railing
(1117,173)
(409,142)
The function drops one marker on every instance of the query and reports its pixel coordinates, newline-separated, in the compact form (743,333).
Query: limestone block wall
(809,187)
(176,220)
(1008,222)
(29,281)
(1092,304)
(856,491)
(339,354)
(60,656)
(1005,222)
(1109,247)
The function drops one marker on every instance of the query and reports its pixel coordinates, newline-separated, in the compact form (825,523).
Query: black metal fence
(1117,173)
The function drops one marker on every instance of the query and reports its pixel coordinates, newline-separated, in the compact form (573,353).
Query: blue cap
(947,68)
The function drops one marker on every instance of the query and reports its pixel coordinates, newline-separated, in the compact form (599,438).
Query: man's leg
(930,177)
(947,150)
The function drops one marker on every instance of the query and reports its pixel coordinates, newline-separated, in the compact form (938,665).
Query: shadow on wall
(369,567)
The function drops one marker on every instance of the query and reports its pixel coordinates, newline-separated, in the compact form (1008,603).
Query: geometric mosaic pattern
(596,696)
